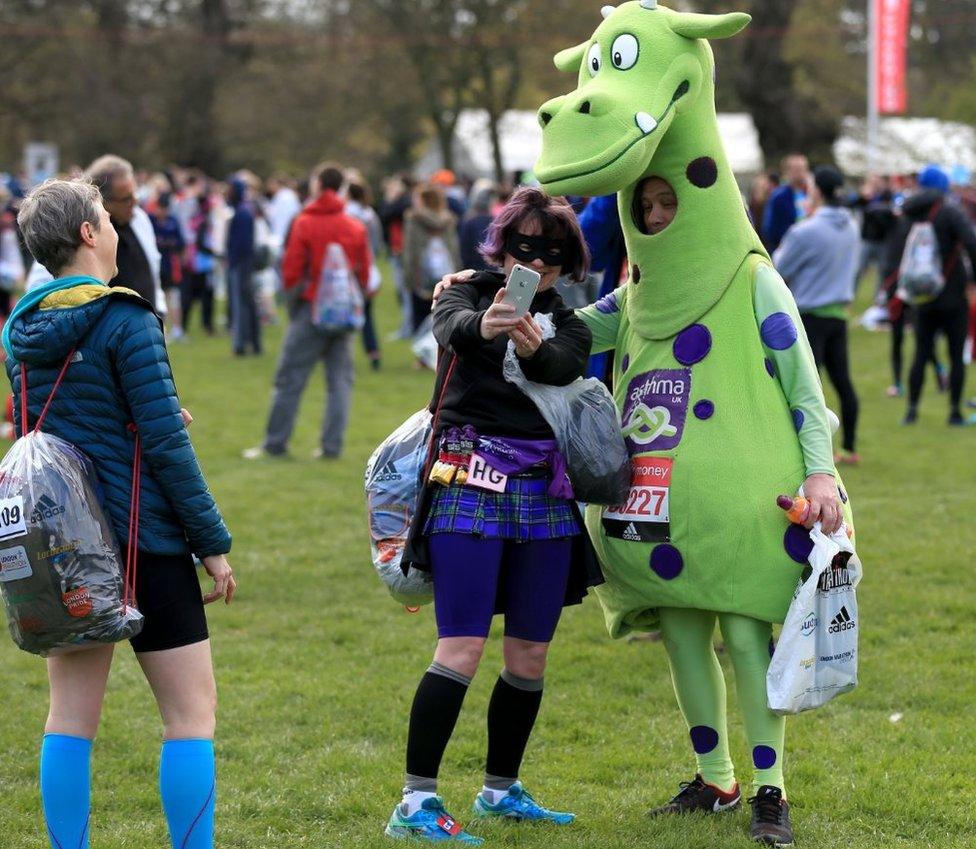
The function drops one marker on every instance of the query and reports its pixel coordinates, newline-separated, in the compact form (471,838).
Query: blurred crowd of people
(189,242)
(823,265)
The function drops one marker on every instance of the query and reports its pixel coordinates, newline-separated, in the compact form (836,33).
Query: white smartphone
(520,289)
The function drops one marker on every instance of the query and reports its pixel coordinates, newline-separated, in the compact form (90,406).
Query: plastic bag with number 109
(61,573)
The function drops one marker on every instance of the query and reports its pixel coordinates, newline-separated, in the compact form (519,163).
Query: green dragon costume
(720,399)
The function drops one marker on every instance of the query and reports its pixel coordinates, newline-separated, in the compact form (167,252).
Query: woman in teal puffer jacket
(117,384)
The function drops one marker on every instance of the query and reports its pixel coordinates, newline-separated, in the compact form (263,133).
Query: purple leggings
(474,577)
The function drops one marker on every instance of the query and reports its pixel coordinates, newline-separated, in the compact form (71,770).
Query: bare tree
(434,37)
(499,61)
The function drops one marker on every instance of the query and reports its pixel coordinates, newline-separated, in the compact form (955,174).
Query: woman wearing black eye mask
(499,528)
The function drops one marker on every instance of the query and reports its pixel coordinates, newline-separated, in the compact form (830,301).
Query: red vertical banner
(892,55)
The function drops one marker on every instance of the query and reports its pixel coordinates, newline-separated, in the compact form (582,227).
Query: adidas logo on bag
(45,509)
(841,622)
(388,474)
(631,533)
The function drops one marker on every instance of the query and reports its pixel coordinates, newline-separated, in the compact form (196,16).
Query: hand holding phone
(527,336)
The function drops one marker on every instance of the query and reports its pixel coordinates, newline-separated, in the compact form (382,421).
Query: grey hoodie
(819,258)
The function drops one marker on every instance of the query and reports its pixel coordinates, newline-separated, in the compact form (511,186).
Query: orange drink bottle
(797,509)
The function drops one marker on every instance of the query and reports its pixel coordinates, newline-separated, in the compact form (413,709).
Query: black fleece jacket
(477,393)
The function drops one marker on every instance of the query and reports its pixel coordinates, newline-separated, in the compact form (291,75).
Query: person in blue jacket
(787,204)
(600,223)
(245,321)
(117,384)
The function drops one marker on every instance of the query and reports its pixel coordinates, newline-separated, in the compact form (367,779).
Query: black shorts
(168,596)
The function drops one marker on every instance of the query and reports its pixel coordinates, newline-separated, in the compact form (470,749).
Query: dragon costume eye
(624,52)
(594,61)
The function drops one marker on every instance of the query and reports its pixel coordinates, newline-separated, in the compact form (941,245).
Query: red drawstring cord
(23,399)
(132,553)
(431,448)
(57,385)
(50,398)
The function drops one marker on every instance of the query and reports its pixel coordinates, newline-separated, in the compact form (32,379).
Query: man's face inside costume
(658,204)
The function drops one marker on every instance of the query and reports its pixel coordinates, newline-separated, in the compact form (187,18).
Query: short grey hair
(105,170)
(50,220)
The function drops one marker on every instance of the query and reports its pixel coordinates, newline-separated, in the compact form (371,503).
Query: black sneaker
(910,417)
(771,818)
(698,796)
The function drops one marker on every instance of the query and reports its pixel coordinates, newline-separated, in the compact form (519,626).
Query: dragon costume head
(645,106)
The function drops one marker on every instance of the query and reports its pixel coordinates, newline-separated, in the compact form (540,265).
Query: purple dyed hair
(556,220)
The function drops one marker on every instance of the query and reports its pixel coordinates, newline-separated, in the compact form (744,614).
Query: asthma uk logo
(655,409)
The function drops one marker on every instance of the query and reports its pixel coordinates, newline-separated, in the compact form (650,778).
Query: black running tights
(828,339)
(928,324)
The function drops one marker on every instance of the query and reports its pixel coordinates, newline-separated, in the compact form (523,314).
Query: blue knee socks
(187,784)
(66,789)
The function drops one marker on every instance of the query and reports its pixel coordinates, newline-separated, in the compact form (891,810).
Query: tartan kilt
(524,512)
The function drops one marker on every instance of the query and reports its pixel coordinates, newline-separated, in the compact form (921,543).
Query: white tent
(907,144)
(521,141)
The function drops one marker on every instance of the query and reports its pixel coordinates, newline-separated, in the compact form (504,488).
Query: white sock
(413,800)
(492,796)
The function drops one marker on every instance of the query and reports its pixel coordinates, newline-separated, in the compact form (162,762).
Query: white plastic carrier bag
(63,581)
(339,303)
(816,656)
(394,484)
(586,423)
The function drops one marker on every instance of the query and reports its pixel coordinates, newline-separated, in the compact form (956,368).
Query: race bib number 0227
(646,515)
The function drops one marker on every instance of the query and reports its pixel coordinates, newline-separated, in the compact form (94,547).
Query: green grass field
(316,665)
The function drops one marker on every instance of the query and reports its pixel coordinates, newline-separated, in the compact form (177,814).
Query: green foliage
(317,666)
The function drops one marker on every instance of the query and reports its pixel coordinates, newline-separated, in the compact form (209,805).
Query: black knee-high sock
(432,719)
(512,712)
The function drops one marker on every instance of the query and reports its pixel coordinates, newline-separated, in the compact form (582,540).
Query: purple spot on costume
(797,543)
(608,304)
(667,562)
(692,345)
(798,419)
(778,331)
(764,757)
(704,739)
(702,172)
(704,410)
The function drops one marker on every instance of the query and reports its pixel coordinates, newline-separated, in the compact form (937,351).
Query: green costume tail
(700,687)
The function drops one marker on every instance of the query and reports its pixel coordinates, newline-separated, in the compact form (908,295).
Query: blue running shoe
(431,823)
(518,804)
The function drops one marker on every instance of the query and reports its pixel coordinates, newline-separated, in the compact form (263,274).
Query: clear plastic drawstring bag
(586,423)
(61,573)
(394,484)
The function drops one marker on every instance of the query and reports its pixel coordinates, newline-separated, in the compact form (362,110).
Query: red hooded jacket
(318,225)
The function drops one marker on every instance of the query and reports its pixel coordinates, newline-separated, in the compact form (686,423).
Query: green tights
(700,688)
